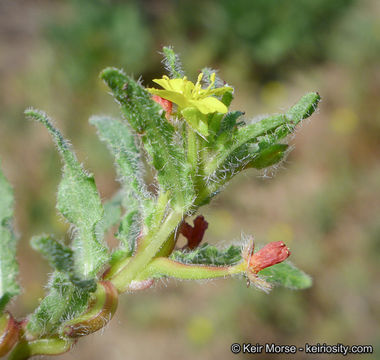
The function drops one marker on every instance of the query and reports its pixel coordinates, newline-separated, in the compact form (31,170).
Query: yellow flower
(194,103)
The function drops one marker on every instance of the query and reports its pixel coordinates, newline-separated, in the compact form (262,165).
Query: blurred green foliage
(272,35)
(93,34)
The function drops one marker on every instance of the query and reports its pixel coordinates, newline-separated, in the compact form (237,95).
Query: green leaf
(6,196)
(63,301)
(286,123)
(172,63)
(129,231)
(79,202)
(59,256)
(229,122)
(268,156)
(9,287)
(223,127)
(287,275)
(254,145)
(304,108)
(209,255)
(112,212)
(269,130)
(135,103)
(258,156)
(136,198)
(121,144)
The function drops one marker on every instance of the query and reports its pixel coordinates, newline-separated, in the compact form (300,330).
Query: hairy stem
(192,149)
(54,346)
(165,267)
(130,268)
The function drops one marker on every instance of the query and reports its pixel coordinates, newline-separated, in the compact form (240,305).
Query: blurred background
(324,201)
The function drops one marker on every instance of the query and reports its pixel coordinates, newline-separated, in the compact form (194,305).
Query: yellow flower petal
(172,96)
(163,83)
(209,105)
(177,85)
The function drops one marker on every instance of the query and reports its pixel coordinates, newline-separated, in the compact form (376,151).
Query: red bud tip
(271,254)
(165,104)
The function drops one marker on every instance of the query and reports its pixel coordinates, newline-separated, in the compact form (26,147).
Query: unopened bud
(271,254)
(165,104)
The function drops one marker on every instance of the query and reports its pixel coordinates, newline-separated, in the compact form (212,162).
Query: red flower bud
(165,104)
(271,254)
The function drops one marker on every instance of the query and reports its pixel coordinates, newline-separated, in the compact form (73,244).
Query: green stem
(168,246)
(165,267)
(54,346)
(129,269)
(192,149)
(158,216)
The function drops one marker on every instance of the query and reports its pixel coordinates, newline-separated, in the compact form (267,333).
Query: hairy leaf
(229,122)
(172,63)
(8,265)
(62,302)
(255,145)
(209,255)
(287,275)
(59,256)
(269,156)
(79,202)
(266,131)
(129,231)
(255,155)
(122,146)
(112,212)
